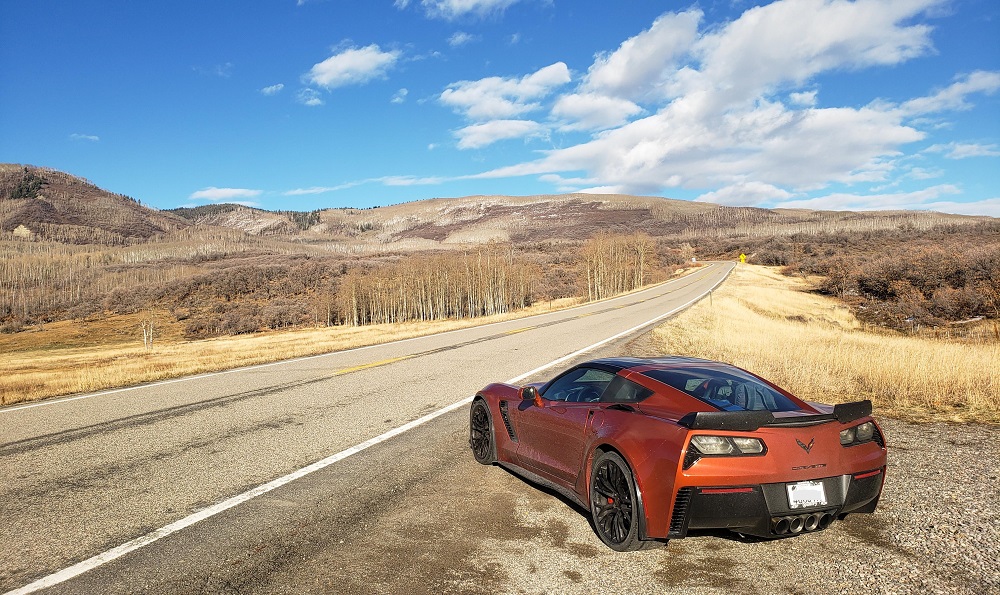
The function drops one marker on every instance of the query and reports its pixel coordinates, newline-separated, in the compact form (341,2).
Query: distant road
(83,476)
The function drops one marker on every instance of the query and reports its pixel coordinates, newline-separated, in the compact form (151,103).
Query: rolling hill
(49,204)
(43,203)
(449,222)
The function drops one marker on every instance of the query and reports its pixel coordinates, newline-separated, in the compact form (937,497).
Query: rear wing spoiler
(748,421)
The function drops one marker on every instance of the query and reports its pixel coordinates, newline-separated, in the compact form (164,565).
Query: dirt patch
(688,565)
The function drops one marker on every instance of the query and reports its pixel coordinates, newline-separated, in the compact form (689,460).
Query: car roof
(644,365)
(652,363)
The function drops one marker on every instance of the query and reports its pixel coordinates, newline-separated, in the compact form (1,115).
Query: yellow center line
(519,330)
(383,362)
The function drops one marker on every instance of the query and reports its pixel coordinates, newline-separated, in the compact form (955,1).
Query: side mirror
(530,393)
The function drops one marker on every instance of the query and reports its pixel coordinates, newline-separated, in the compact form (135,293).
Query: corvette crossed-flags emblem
(806,447)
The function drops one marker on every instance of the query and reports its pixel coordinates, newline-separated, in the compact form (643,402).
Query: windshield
(728,390)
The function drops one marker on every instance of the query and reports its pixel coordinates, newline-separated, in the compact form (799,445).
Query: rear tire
(614,507)
(481,433)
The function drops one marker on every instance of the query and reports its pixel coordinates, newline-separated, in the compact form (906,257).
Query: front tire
(614,507)
(481,433)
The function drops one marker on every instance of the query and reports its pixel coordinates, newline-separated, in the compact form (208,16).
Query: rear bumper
(763,510)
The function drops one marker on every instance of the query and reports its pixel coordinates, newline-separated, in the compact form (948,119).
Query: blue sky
(305,104)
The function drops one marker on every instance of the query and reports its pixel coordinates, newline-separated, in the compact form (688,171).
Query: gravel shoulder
(935,531)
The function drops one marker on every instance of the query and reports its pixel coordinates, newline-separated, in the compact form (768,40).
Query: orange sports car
(655,448)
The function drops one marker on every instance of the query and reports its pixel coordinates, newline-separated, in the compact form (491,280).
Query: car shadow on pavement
(547,490)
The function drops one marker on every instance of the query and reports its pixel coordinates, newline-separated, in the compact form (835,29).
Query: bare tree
(148,324)
(616,263)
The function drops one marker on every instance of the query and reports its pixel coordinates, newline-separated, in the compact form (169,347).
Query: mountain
(49,204)
(250,220)
(444,222)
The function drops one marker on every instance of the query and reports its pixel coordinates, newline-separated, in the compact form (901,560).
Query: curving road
(345,472)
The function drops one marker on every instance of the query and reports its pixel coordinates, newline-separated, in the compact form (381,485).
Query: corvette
(657,447)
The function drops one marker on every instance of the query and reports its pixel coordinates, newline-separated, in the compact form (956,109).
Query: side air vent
(678,520)
(506,421)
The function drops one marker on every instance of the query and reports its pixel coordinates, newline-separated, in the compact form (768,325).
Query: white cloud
(989,207)
(745,194)
(567,184)
(590,111)
(481,135)
(87,137)
(613,189)
(789,41)
(964,150)
(384,180)
(352,66)
(321,189)
(224,194)
(921,173)
(411,180)
(734,107)
(766,143)
(460,38)
(453,9)
(497,97)
(804,99)
(309,97)
(920,199)
(273,89)
(400,96)
(954,96)
(643,63)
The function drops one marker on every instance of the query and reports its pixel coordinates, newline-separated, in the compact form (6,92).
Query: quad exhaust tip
(793,525)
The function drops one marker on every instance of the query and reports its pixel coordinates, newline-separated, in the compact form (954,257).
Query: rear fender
(651,447)
(589,468)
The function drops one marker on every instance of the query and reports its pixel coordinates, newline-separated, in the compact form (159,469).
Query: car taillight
(858,434)
(722,446)
(714,445)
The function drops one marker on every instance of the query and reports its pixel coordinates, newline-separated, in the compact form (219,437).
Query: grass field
(811,345)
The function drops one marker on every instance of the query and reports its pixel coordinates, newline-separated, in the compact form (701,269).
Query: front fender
(504,435)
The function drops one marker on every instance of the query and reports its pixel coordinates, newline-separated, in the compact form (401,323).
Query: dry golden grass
(815,348)
(73,357)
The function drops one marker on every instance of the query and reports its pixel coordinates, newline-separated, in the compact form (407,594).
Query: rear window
(725,390)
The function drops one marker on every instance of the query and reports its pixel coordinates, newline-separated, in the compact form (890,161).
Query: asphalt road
(83,476)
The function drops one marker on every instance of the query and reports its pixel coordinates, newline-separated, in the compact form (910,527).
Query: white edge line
(116,552)
(153,536)
(57,401)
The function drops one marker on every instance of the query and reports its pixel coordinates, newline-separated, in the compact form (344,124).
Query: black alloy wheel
(614,507)
(481,433)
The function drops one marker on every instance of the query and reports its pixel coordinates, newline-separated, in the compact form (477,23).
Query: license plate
(805,494)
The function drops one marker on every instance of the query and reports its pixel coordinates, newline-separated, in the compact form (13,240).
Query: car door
(553,435)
